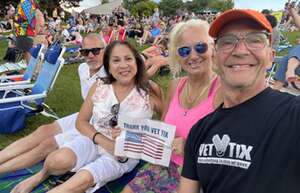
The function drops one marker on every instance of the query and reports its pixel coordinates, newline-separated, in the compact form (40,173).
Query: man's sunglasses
(114,111)
(95,51)
(185,51)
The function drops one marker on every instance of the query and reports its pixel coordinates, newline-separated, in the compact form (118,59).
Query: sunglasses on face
(95,51)
(114,111)
(185,51)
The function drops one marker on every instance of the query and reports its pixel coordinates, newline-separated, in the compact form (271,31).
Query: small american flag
(144,143)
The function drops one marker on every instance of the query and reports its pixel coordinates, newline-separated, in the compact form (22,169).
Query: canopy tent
(106,8)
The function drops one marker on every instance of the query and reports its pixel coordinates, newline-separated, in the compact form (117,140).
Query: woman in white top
(126,91)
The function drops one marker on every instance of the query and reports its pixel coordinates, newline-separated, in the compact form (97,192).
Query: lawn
(65,98)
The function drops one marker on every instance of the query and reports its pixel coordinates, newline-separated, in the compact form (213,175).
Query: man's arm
(188,186)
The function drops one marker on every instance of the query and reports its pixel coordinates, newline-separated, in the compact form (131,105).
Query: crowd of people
(234,133)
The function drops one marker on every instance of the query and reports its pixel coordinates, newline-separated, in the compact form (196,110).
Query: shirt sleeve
(189,169)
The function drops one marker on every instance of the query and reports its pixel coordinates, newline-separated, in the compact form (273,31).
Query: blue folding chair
(36,57)
(20,101)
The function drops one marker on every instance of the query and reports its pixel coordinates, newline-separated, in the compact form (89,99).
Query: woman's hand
(115,132)
(178,145)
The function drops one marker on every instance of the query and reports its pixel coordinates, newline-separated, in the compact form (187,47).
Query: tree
(170,7)
(197,5)
(221,5)
(140,7)
(104,1)
(46,4)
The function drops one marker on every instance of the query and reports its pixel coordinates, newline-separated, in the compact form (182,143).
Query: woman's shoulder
(173,84)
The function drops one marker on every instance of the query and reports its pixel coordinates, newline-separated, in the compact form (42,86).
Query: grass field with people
(65,98)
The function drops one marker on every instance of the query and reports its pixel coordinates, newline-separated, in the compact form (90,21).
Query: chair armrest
(14,83)
(23,98)
(10,77)
(16,87)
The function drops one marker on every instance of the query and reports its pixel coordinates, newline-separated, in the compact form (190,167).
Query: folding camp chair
(36,57)
(19,101)
(271,71)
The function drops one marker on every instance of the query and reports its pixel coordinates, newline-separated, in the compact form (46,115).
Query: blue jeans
(283,64)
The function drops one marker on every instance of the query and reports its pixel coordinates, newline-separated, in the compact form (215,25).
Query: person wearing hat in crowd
(250,143)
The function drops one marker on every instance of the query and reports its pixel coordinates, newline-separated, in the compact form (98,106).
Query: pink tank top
(183,118)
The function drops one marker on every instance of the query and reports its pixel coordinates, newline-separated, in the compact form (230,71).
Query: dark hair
(140,77)
(266,12)
(272,19)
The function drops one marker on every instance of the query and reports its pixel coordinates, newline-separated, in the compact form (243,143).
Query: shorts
(156,179)
(103,167)
(69,131)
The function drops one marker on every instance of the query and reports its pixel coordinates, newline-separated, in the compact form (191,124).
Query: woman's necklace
(188,100)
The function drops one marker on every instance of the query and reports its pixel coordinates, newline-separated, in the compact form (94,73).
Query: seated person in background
(189,99)
(294,12)
(156,57)
(127,92)
(275,33)
(288,69)
(121,30)
(105,33)
(289,66)
(75,38)
(150,35)
(33,148)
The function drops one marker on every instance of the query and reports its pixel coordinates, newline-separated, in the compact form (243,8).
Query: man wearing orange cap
(250,143)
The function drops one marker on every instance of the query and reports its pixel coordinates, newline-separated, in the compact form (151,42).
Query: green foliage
(221,5)
(104,1)
(169,7)
(216,5)
(46,4)
(140,8)
(3,47)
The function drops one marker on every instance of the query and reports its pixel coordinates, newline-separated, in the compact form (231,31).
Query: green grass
(65,98)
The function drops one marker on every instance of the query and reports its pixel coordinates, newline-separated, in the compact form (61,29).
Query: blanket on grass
(10,180)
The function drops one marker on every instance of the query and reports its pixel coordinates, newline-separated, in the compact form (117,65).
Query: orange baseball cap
(237,14)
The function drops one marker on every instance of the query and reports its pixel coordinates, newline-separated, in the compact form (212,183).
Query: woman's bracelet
(94,137)
(122,159)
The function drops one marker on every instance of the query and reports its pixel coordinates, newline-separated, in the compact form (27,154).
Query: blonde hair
(174,38)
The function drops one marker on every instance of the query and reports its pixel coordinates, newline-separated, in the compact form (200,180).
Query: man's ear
(271,57)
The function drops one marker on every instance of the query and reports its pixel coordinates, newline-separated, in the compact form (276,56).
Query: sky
(252,4)
(260,4)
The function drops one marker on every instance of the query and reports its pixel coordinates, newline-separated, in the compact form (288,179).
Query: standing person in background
(62,15)
(25,24)
(54,14)
(294,13)
(189,99)
(249,143)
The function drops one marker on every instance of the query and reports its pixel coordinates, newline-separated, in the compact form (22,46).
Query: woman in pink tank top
(189,99)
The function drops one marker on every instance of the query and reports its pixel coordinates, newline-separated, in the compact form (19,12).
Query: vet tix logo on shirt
(224,152)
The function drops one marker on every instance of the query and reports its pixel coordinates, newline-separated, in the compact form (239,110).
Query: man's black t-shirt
(253,147)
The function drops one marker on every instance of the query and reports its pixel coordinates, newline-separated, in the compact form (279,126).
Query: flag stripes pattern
(144,143)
